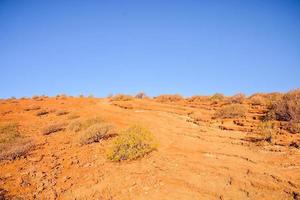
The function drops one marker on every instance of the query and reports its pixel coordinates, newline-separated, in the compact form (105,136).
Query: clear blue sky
(156,46)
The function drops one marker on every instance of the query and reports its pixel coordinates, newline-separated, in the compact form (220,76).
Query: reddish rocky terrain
(199,156)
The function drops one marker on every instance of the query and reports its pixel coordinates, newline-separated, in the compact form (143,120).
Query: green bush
(96,132)
(133,143)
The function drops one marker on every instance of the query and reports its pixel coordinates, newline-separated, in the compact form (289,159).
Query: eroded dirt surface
(193,160)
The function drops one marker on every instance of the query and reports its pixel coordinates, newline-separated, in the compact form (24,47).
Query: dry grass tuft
(133,143)
(13,150)
(121,97)
(286,108)
(33,107)
(61,112)
(42,112)
(97,132)
(52,128)
(169,98)
(8,132)
(80,125)
(73,116)
(231,111)
(238,98)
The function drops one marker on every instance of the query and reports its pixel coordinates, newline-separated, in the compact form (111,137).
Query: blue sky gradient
(188,47)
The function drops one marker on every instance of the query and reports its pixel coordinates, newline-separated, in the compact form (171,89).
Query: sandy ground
(193,160)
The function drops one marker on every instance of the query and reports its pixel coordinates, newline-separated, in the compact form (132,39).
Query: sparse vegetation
(133,143)
(169,98)
(32,107)
(257,100)
(16,149)
(8,132)
(52,128)
(141,95)
(293,127)
(80,125)
(286,108)
(73,116)
(238,98)
(61,112)
(42,112)
(231,111)
(96,132)
(265,130)
(121,97)
(217,97)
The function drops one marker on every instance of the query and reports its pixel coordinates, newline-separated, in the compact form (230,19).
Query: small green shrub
(133,143)
(8,132)
(231,111)
(96,132)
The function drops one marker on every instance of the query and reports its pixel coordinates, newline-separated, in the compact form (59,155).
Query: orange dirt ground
(198,157)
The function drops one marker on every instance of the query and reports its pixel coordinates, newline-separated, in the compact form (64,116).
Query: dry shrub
(133,143)
(286,108)
(121,97)
(32,107)
(238,98)
(13,150)
(265,130)
(198,98)
(42,112)
(217,97)
(52,128)
(231,111)
(169,98)
(292,127)
(79,125)
(8,132)
(257,100)
(97,132)
(61,112)
(141,95)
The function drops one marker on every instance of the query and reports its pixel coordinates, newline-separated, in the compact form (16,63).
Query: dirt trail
(192,161)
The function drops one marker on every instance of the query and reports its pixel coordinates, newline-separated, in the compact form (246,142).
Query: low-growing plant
(73,116)
(42,112)
(32,107)
(287,108)
(52,128)
(169,98)
(141,95)
(96,132)
(265,130)
(61,112)
(80,125)
(8,132)
(217,97)
(231,111)
(16,149)
(238,98)
(133,143)
(121,97)
(257,100)
(293,127)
